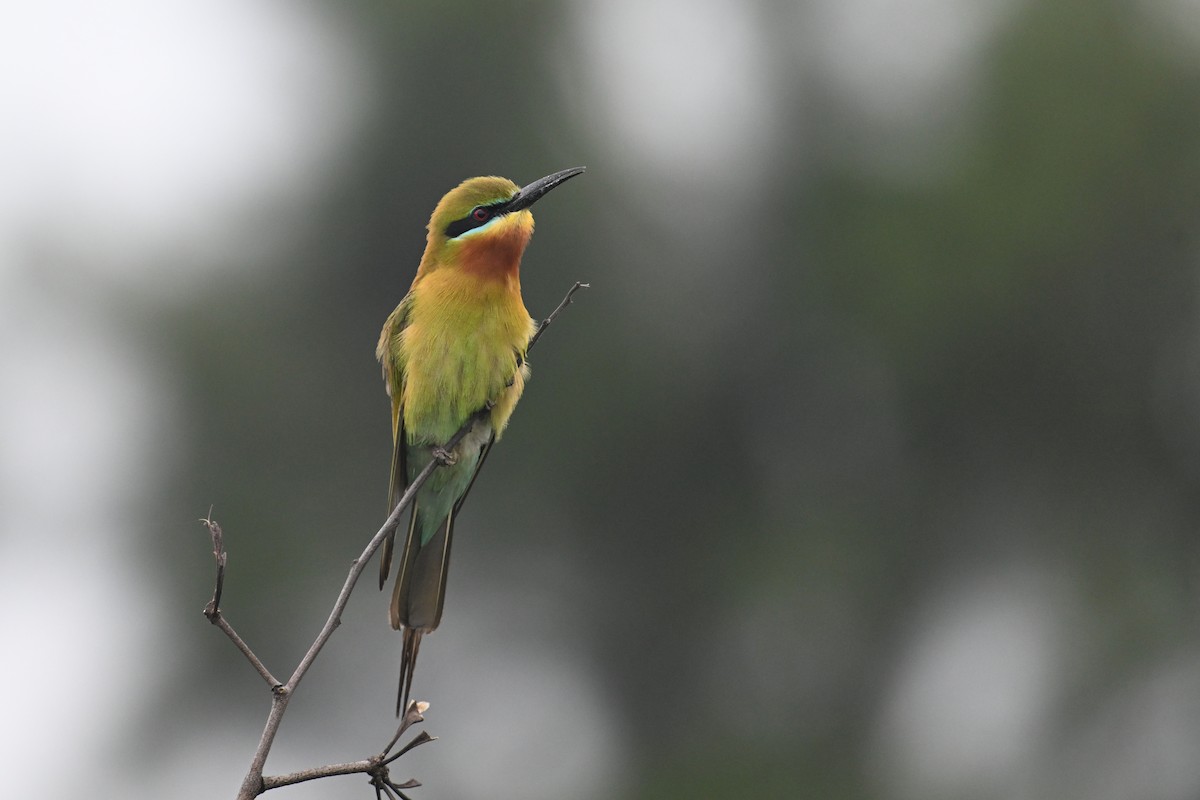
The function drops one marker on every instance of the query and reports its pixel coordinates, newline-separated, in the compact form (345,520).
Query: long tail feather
(408,664)
(424,562)
(419,593)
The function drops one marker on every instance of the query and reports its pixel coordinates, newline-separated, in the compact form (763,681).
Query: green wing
(393,377)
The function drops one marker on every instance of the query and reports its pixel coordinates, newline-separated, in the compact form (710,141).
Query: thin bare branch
(240,644)
(252,786)
(566,301)
(254,783)
(350,768)
(375,766)
(213,610)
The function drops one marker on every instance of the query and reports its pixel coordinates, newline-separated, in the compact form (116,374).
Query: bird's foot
(444,456)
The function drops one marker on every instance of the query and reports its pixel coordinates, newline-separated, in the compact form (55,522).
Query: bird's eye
(477,217)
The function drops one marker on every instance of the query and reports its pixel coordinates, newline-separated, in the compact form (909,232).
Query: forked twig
(376,766)
(213,609)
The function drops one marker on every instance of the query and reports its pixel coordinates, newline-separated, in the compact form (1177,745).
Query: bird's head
(483,225)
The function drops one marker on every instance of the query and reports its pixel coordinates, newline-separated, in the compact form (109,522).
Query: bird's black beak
(533,192)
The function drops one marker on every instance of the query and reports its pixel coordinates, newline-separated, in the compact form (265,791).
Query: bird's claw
(444,456)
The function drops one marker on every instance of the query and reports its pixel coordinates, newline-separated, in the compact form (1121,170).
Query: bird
(453,349)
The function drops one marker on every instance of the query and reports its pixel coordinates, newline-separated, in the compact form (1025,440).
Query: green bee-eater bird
(453,347)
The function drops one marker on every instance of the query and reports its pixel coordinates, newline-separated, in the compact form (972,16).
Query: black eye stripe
(467,223)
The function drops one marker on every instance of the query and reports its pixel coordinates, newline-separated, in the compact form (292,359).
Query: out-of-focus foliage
(867,468)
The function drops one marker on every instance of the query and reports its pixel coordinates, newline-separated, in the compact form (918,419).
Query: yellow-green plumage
(453,347)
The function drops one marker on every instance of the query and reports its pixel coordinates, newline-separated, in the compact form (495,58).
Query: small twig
(254,660)
(412,716)
(213,610)
(420,739)
(566,301)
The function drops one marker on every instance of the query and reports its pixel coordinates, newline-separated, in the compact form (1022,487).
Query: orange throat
(495,257)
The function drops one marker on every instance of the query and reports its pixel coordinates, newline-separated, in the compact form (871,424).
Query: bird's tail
(420,591)
(408,663)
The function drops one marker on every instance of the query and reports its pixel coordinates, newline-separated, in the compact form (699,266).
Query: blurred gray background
(867,468)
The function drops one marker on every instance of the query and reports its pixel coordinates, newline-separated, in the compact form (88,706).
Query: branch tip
(566,301)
